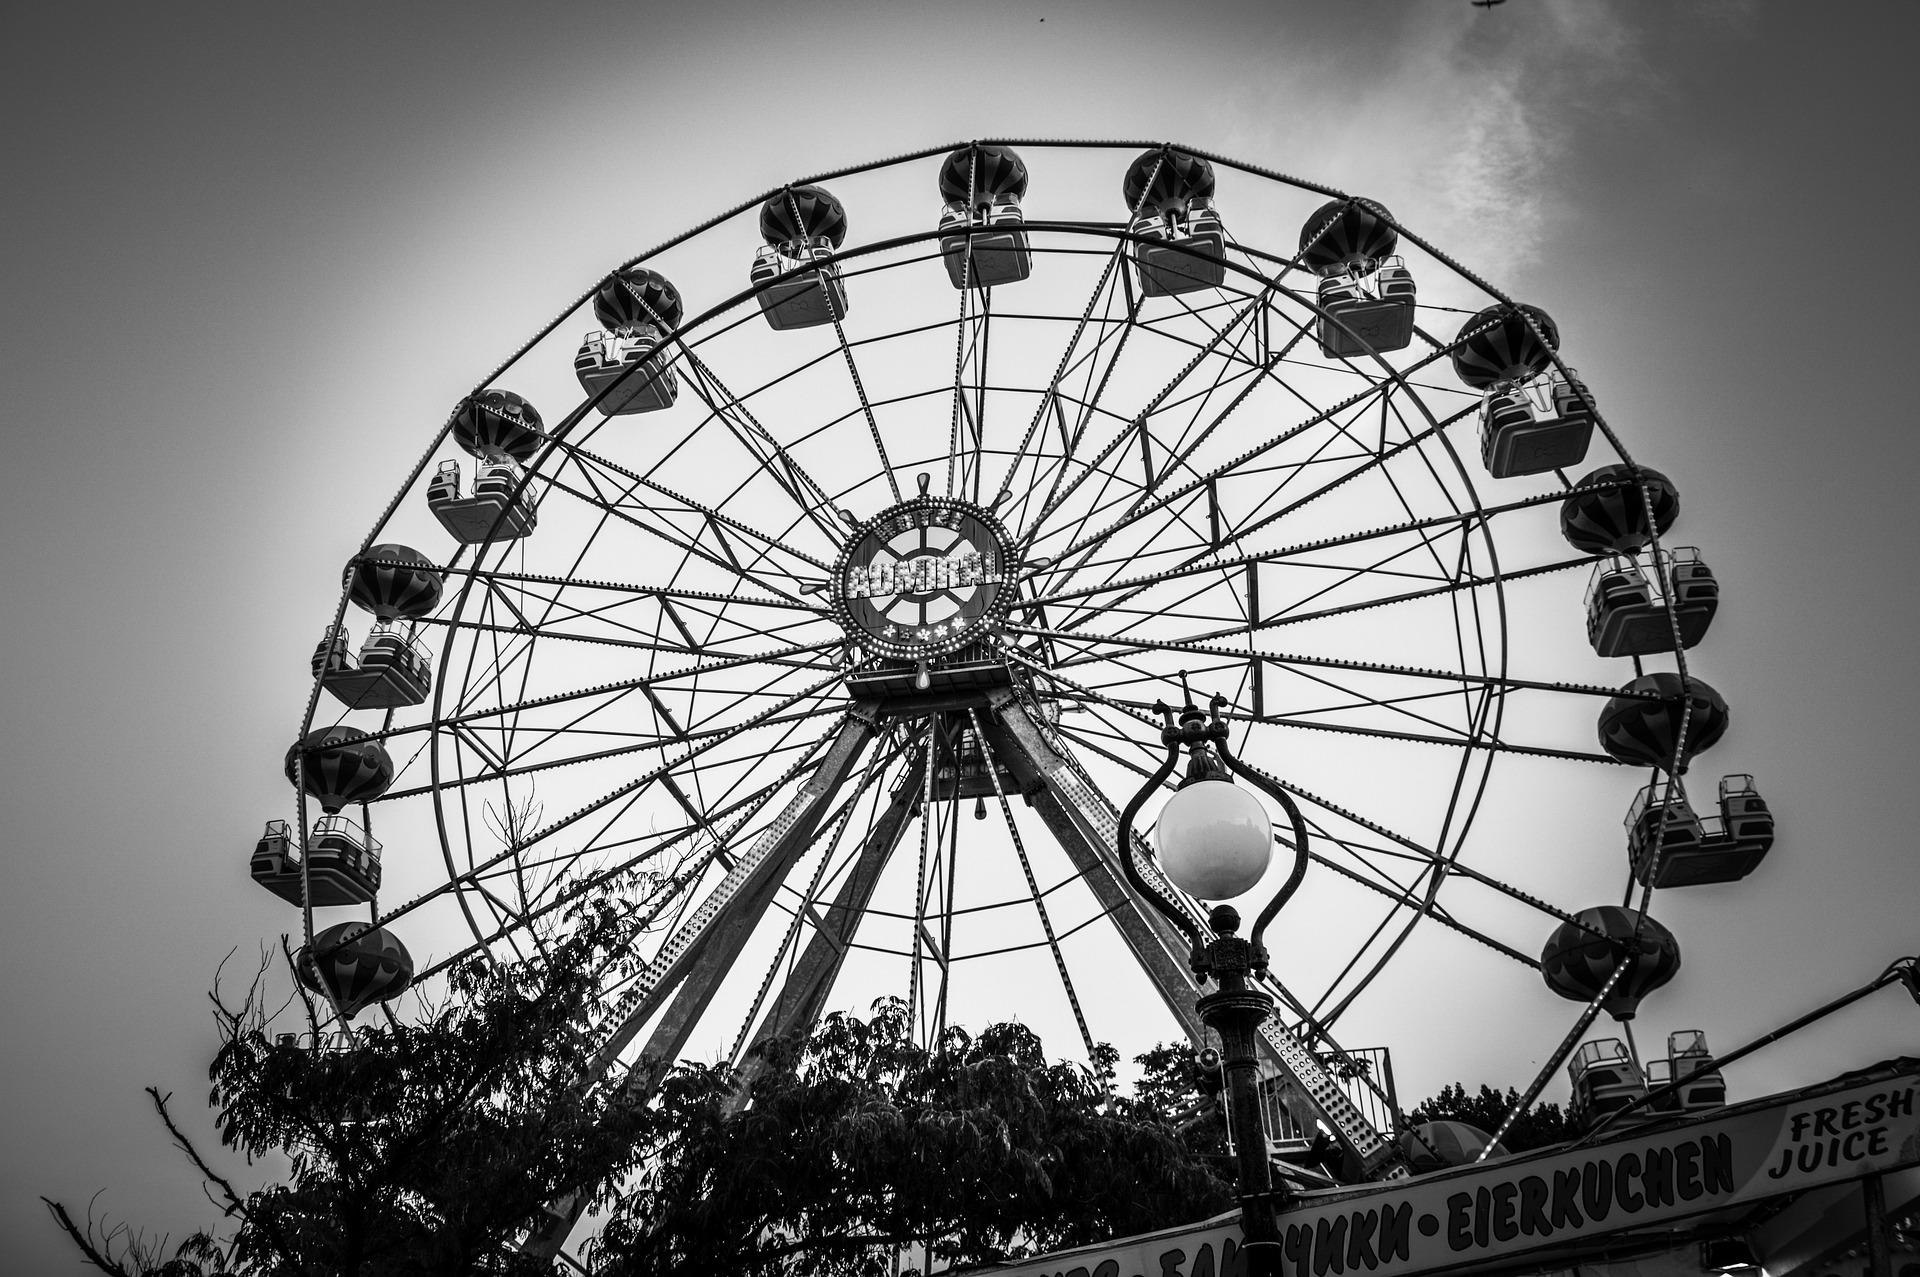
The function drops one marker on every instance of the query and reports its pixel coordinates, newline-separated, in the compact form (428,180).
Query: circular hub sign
(923,579)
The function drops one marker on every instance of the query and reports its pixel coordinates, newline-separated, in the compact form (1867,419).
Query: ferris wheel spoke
(806,492)
(1466,519)
(633,621)
(625,503)
(866,407)
(650,743)
(970,332)
(1225,469)
(468,716)
(723,558)
(744,810)
(1203,648)
(782,708)
(1110,274)
(678,595)
(1110,337)
(1207,554)
(1138,426)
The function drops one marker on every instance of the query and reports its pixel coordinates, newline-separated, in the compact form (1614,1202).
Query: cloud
(1465,116)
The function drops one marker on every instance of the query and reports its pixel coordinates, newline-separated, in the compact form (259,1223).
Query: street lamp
(1215,842)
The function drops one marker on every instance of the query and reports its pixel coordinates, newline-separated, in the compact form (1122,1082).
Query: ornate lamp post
(1215,842)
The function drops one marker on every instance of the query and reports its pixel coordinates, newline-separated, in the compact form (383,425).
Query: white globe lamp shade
(1214,840)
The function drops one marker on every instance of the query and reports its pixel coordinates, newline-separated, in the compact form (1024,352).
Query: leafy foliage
(417,1149)
(1541,1125)
(433,1147)
(857,1141)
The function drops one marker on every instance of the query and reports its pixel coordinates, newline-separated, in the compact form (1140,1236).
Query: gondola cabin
(803,226)
(498,510)
(804,300)
(1693,852)
(1605,1080)
(996,231)
(1690,1062)
(621,365)
(1534,426)
(981,186)
(1627,608)
(344,865)
(1367,311)
(1181,253)
(392,670)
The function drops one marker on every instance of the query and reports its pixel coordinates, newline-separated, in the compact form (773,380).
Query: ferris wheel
(820,609)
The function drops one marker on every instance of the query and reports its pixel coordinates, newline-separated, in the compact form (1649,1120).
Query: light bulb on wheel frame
(1215,839)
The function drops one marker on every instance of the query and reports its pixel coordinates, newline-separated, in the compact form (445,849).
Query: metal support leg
(803,996)
(704,946)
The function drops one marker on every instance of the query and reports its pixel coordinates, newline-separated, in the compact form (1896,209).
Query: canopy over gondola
(980,172)
(1643,732)
(1582,954)
(342,765)
(359,965)
(1498,345)
(1346,235)
(393,581)
(1434,1146)
(801,214)
(637,296)
(1166,181)
(1613,519)
(498,423)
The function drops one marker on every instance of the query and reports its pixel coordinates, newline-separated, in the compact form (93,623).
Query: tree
(432,1147)
(417,1149)
(1541,1125)
(858,1142)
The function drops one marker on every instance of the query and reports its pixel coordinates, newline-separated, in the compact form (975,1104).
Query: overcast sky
(252,256)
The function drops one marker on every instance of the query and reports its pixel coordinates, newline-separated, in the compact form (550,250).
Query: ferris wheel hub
(924,579)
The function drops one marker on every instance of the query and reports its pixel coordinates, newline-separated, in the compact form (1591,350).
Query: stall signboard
(1485,1213)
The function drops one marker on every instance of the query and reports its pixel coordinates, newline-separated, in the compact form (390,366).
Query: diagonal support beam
(1088,830)
(746,886)
(803,996)
(698,954)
